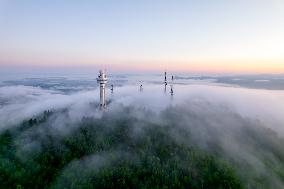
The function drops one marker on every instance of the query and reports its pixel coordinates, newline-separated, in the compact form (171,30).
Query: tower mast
(102,80)
(166,78)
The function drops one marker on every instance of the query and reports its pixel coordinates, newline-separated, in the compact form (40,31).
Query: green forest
(117,152)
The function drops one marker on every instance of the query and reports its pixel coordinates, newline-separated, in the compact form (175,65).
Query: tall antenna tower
(102,80)
(166,78)
(172,91)
(166,83)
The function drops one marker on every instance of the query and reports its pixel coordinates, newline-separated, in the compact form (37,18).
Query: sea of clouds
(232,119)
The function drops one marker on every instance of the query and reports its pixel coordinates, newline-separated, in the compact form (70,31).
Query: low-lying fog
(214,113)
(19,102)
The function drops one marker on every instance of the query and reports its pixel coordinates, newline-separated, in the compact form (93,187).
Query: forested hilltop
(129,148)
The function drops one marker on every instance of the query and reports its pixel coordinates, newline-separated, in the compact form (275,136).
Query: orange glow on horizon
(205,66)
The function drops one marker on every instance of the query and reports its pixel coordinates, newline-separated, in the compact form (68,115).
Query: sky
(238,36)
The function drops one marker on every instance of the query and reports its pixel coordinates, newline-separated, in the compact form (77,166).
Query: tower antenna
(166,78)
(102,80)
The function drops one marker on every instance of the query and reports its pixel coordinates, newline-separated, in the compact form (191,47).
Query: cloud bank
(244,126)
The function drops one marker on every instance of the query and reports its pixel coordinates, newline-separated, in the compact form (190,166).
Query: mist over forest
(211,133)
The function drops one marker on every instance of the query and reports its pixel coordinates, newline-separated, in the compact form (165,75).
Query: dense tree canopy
(137,148)
(106,153)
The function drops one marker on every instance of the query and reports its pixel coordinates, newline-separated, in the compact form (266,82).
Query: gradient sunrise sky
(180,35)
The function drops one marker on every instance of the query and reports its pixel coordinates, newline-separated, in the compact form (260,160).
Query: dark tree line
(150,158)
